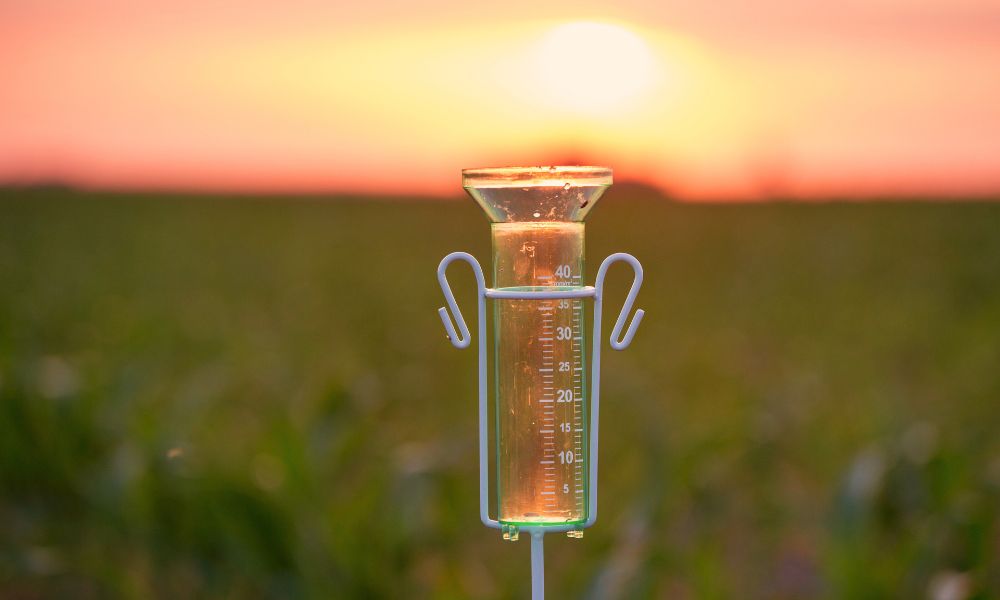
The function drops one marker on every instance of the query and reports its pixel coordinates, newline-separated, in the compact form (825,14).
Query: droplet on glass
(537,214)
(567,186)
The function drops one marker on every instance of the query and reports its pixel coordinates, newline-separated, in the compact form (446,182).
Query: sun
(593,68)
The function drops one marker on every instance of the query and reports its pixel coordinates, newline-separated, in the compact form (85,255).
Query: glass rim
(555,175)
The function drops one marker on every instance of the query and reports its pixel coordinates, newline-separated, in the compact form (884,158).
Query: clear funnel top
(539,194)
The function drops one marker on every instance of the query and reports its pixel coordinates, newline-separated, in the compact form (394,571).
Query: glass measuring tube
(540,357)
(540,375)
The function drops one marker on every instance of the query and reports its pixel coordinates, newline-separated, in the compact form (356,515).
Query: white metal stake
(537,565)
(461,337)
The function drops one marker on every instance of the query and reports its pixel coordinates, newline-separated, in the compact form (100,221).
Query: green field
(242,398)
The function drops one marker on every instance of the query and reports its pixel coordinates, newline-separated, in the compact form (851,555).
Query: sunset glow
(883,98)
(593,68)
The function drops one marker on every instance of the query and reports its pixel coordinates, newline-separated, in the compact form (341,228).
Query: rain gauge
(545,391)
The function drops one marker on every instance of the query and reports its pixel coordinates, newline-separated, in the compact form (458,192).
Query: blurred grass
(254,398)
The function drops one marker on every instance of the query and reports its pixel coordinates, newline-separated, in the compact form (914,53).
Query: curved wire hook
(619,342)
(463,340)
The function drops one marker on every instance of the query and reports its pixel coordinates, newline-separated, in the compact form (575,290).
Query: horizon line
(657,192)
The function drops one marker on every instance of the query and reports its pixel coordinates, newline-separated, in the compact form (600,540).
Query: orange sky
(708,99)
